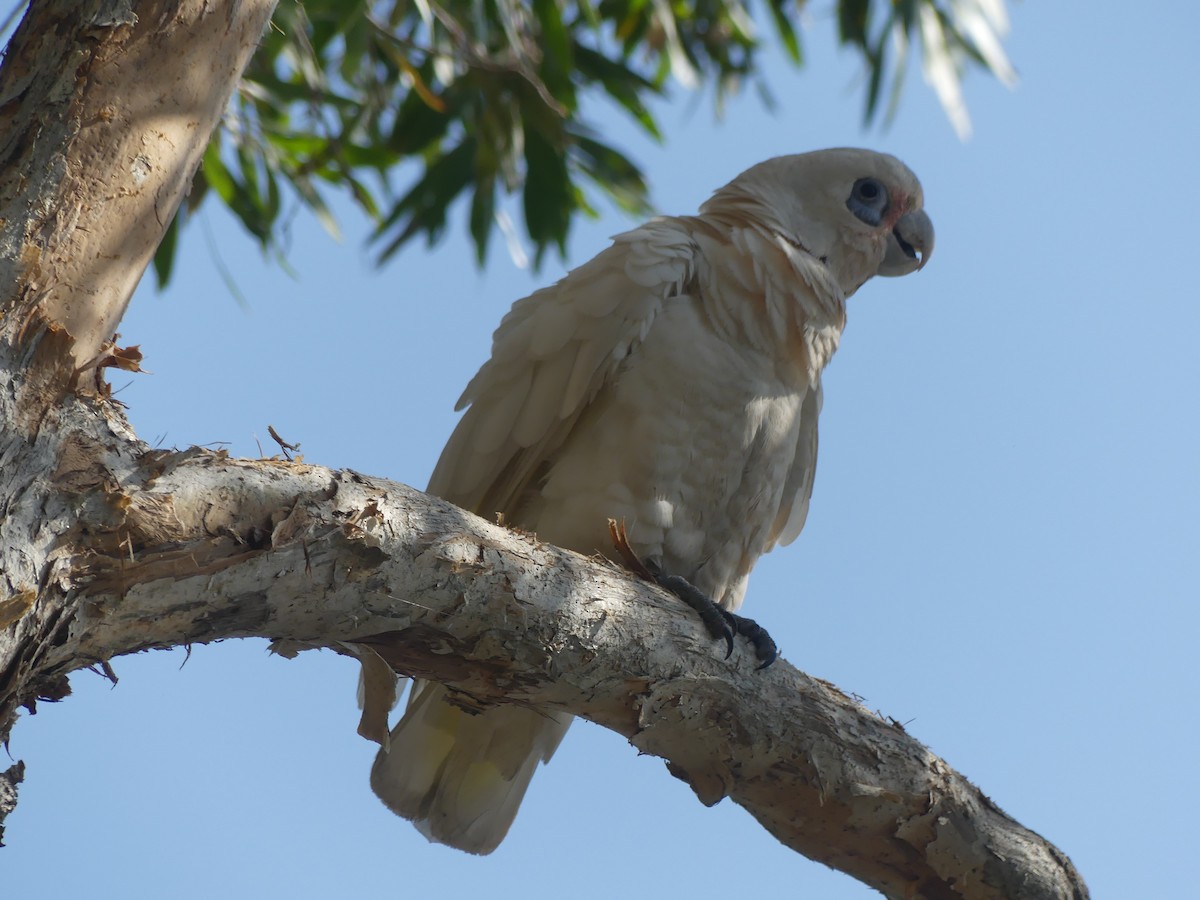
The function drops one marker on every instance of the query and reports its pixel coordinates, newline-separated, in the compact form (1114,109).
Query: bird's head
(858,212)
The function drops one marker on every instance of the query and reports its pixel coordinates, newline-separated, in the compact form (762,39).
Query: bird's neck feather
(769,293)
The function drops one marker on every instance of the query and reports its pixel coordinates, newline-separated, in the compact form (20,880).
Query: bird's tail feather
(460,776)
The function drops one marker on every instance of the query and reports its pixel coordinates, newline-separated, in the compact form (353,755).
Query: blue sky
(1002,551)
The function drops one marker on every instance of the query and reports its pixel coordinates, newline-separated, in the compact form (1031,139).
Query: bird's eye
(868,200)
(868,190)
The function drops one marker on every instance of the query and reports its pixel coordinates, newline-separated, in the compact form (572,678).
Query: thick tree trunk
(106,107)
(108,547)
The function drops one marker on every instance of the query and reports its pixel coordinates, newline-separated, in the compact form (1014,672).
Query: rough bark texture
(106,107)
(191,547)
(108,547)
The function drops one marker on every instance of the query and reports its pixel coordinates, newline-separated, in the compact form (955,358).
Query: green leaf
(369,156)
(316,203)
(875,60)
(164,255)
(483,210)
(786,31)
(588,11)
(423,209)
(621,83)
(852,21)
(300,145)
(418,125)
(548,200)
(363,196)
(614,173)
(217,174)
(556,51)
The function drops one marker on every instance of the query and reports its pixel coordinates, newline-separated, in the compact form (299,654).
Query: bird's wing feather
(551,355)
(797,491)
(461,777)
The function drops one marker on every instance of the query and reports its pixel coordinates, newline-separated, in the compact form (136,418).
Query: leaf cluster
(413,107)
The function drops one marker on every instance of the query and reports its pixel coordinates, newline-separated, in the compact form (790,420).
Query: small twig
(283,445)
(127,543)
(104,669)
(471,53)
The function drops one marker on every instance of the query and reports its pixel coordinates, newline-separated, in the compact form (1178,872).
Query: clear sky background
(1002,552)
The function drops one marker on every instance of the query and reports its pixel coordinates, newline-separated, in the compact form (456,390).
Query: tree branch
(204,547)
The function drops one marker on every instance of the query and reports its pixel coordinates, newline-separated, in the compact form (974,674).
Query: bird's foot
(763,644)
(720,622)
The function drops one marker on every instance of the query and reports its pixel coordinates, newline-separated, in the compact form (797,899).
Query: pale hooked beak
(909,245)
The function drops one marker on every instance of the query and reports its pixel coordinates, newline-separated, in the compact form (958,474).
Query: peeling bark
(108,547)
(106,107)
(195,547)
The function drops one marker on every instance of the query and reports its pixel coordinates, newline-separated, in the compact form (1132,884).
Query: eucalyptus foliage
(411,106)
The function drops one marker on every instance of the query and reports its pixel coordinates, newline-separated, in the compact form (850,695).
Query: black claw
(720,622)
(764,646)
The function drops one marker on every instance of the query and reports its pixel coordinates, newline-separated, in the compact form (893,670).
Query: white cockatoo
(671,383)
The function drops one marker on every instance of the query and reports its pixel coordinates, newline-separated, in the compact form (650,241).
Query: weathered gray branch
(206,547)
